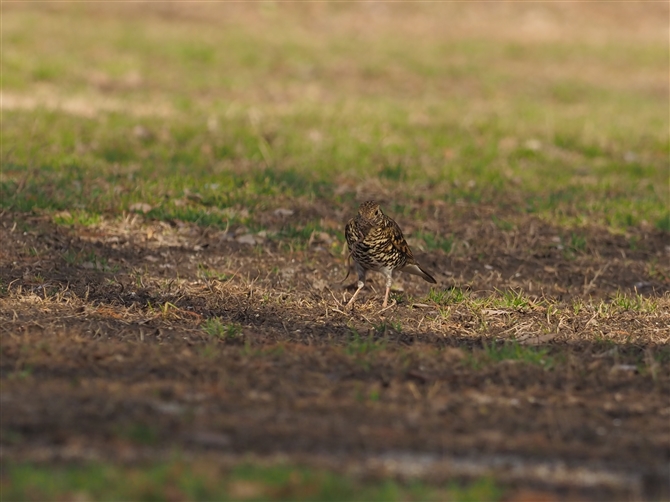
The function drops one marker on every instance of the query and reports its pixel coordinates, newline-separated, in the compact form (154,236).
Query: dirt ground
(105,355)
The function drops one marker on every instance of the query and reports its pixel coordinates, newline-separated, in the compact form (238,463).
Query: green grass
(577,243)
(366,345)
(114,171)
(494,353)
(77,218)
(211,138)
(216,328)
(186,481)
(447,296)
(621,302)
(634,302)
(663,223)
(207,273)
(507,299)
(433,241)
(138,433)
(502,224)
(510,299)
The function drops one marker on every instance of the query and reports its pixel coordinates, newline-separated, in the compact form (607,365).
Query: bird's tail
(415,269)
(348,268)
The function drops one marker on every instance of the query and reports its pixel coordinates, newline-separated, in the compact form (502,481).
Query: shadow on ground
(106,354)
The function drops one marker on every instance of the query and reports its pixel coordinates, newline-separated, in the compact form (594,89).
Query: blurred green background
(555,109)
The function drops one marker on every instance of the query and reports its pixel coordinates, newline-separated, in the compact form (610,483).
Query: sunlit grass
(207,130)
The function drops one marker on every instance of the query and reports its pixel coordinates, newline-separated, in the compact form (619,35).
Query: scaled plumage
(376,243)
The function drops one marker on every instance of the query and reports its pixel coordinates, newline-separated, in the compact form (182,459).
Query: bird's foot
(387,307)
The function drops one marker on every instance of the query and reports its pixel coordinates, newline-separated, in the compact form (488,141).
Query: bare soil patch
(105,355)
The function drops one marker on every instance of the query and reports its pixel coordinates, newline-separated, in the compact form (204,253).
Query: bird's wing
(352,233)
(399,242)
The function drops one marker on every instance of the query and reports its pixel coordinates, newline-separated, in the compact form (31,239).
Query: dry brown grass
(151,324)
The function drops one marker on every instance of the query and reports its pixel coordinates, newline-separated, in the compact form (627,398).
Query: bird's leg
(389,279)
(361,283)
(351,301)
(386,297)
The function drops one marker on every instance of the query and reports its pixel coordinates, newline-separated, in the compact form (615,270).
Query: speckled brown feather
(376,242)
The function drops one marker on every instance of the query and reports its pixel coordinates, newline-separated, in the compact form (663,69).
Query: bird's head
(371,212)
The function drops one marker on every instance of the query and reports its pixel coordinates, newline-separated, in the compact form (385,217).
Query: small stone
(319,284)
(282,213)
(140,207)
(533,145)
(246,239)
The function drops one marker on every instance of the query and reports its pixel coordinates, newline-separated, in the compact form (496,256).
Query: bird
(376,243)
